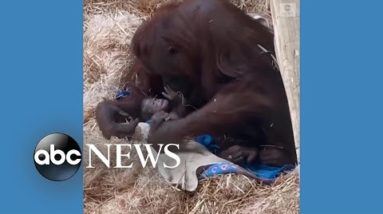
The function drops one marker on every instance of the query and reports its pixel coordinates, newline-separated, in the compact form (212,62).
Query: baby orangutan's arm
(110,118)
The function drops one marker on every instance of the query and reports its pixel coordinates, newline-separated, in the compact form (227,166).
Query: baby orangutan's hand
(159,129)
(240,154)
(157,119)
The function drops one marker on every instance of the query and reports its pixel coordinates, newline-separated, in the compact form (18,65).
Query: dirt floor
(108,27)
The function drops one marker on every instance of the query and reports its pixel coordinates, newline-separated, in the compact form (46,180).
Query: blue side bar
(41,93)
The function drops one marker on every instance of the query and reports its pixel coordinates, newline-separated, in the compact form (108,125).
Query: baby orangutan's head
(152,105)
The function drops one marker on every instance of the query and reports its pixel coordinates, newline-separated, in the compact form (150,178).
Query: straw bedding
(108,27)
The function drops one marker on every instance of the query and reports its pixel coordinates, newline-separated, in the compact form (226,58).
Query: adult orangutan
(220,60)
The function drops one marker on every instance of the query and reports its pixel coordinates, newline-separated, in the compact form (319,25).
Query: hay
(108,27)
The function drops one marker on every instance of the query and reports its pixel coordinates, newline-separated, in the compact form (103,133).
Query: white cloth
(192,154)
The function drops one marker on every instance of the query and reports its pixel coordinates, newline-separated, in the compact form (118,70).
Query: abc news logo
(57,157)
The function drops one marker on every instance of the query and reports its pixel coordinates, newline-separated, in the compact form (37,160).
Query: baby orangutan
(125,122)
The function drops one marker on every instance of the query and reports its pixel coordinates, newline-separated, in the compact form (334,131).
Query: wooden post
(285,16)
